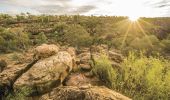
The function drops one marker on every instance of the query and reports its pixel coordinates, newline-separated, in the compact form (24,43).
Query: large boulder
(3,64)
(46,74)
(45,50)
(83,93)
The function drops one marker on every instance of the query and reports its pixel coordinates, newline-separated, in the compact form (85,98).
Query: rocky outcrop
(48,67)
(83,93)
(45,50)
(46,73)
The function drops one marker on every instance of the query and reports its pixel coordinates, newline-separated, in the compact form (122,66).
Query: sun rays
(126,34)
(133,18)
(134,25)
(144,33)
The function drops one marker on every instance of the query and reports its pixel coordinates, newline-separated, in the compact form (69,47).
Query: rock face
(83,93)
(45,50)
(46,73)
(3,64)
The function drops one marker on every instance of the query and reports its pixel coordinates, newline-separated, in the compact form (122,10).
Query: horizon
(130,8)
(25,14)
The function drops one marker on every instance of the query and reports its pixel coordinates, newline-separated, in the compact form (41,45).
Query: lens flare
(133,18)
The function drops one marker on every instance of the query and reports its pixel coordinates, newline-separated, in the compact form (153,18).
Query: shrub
(146,78)
(19,95)
(41,38)
(104,71)
(13,41)
(142,78)
(76,35)
(166,45)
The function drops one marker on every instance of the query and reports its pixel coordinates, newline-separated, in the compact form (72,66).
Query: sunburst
(135,21)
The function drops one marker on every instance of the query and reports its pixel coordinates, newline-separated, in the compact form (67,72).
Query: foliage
(104,71)
(41,38)
(142,78)
(13,41)
(146,78)
(79,30)
(19,95)
(75,35)
(166,45)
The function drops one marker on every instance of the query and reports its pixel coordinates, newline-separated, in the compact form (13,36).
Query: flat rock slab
(83,93)
(79,79)
(10,75)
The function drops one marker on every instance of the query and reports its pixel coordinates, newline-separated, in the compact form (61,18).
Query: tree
(76,35)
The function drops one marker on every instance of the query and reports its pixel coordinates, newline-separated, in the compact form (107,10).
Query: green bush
(13,41)
(104,71)
(142,78)
(166,45)
(19,95)
(146,78)
(41,38)
(76,35)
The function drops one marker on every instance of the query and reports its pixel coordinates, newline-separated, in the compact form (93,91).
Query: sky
(134,8)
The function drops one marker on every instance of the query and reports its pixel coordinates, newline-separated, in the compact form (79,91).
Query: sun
(133,18)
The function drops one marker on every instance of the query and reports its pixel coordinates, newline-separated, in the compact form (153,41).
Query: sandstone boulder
(45,50)
(46,74)
(83,93)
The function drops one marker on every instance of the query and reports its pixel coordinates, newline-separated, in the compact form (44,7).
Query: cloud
(163,3)
(51,6)
(84,9)
(32,3)
(59,9)
(158,3)
(88,7)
